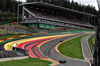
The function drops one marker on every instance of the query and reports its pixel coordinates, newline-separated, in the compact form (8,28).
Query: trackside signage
(47,26)
(33,25)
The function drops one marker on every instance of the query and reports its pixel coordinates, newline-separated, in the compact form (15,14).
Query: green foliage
(8,10)
(93,39)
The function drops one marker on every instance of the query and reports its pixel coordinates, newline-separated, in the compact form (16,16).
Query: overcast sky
(85,2)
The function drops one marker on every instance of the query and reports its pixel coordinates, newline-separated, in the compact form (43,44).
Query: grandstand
(16,29)
(46,16)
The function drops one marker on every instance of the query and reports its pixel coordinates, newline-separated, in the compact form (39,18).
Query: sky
(85,2)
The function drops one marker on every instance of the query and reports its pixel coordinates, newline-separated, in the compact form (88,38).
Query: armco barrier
(91,44)
(15,53)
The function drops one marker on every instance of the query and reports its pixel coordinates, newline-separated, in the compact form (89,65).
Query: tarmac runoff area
(44,48)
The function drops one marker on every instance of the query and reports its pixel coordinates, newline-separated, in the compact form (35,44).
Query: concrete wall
(13,58)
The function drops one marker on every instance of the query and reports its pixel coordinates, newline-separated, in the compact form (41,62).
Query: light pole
(97,42)
(17,14)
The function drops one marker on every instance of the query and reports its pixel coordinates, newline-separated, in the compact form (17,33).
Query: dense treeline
(8,10)
(72,5)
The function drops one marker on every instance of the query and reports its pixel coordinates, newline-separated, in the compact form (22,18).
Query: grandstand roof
(57,8)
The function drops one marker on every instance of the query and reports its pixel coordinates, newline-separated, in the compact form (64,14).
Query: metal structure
(91,44)
(53,8)
(14,53)
(97,44)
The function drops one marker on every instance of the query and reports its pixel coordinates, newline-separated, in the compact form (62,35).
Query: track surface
(2,45)
(86,50)
(48,49)
(31,46)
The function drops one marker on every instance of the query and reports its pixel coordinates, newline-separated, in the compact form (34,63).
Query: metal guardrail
(6,54)
(91,44)
(15,53)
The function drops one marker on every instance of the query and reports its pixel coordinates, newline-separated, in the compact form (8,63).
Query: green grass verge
(7,36)
(89,45)
(93,39)
(26,62)
(72,48)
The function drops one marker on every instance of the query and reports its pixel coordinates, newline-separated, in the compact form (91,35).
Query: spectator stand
(48,14)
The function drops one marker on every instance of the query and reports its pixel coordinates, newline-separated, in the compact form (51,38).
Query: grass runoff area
(93,39)
(93,42)
(26,62)
(7,36)
(72,48)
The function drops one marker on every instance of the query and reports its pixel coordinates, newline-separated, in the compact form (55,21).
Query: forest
(8,8)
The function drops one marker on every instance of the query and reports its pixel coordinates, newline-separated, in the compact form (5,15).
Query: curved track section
(86,49)
(50,52)
(31,46)
(44,47)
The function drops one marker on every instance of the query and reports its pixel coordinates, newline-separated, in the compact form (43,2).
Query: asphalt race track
(48,49)
(44,47)
(86,51)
